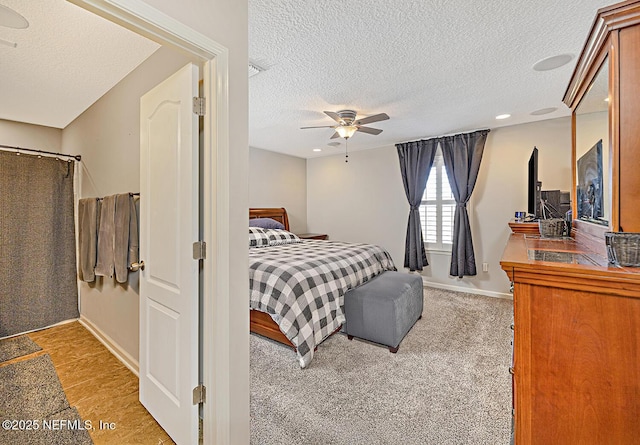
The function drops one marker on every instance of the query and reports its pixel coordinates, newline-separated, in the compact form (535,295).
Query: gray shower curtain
(38,284)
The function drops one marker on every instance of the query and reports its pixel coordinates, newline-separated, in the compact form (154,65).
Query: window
(438,208)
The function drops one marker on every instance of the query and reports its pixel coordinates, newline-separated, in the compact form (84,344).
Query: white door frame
(147,21)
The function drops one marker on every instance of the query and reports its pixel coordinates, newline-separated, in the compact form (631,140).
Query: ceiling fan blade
(322,126)
(371,119)
(335,116)
(370,130)
(335,135)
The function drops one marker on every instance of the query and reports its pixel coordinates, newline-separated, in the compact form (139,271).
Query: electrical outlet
(485,267)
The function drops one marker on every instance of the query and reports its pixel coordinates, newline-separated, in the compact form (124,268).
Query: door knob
(135,266)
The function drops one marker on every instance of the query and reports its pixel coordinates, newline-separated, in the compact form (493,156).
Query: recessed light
(542,111)
(553,62)
(503,116)
(317,149)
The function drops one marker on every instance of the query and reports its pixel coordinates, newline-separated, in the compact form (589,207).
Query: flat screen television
(533,186)
(590,193)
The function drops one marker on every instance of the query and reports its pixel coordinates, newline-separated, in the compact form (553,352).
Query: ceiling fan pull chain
(346,150)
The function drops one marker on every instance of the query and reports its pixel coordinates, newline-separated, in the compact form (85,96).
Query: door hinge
(199,394)
(199,250)
(199,106)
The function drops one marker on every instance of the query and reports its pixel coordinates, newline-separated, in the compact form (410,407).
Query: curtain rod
(426,138)
(76,157)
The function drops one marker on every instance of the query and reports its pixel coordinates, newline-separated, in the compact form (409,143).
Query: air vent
(254,69)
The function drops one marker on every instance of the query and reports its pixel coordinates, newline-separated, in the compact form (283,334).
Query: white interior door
(168,229)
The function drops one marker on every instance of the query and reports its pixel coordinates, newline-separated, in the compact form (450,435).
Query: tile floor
(99,386)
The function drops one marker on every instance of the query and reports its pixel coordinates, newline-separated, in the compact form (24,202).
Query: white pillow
(258,237)
(278,237)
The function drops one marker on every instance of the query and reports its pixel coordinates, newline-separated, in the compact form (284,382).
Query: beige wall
(359,201)
(364,201)
(107,135)
(18,134)
(278,180)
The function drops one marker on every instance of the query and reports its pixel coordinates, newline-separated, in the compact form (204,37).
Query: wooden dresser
(576,364)
(530,228)
(576,358)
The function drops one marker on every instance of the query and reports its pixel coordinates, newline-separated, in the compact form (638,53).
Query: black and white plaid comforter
(303,285)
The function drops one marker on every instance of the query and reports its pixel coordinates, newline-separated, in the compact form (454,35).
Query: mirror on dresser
(592,172)
(609,62)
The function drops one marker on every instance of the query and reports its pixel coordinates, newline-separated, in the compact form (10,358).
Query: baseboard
(112,346)
(40,329)
(468,290)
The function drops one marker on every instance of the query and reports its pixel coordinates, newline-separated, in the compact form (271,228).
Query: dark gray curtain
(38,284)
(416,159)
(462,155)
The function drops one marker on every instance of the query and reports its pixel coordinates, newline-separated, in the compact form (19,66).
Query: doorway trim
(153,24)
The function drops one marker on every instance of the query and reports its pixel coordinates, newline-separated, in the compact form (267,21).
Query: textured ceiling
(434,66)
(64,61)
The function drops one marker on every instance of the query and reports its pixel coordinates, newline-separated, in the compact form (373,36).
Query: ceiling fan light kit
(346,131)
(348,125)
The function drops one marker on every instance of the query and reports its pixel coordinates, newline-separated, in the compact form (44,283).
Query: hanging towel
(106,237)
(134,235)
(121,241)
(88,216)
(126,236)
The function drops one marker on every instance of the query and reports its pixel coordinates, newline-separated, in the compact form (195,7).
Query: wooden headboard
(279,214)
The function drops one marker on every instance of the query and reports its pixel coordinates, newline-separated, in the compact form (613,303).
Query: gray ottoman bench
(384,309)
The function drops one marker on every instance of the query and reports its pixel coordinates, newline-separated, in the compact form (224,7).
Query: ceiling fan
(12,19)
(348,125)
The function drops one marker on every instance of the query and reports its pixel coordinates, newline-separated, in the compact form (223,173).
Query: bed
(297,288)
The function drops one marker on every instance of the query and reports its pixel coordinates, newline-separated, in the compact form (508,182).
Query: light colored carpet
(17,347)
(448,384)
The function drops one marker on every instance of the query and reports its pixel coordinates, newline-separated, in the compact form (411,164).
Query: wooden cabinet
(612,54)
(576,364)
(530,228)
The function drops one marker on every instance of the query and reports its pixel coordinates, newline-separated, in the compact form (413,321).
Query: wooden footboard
(262,323)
